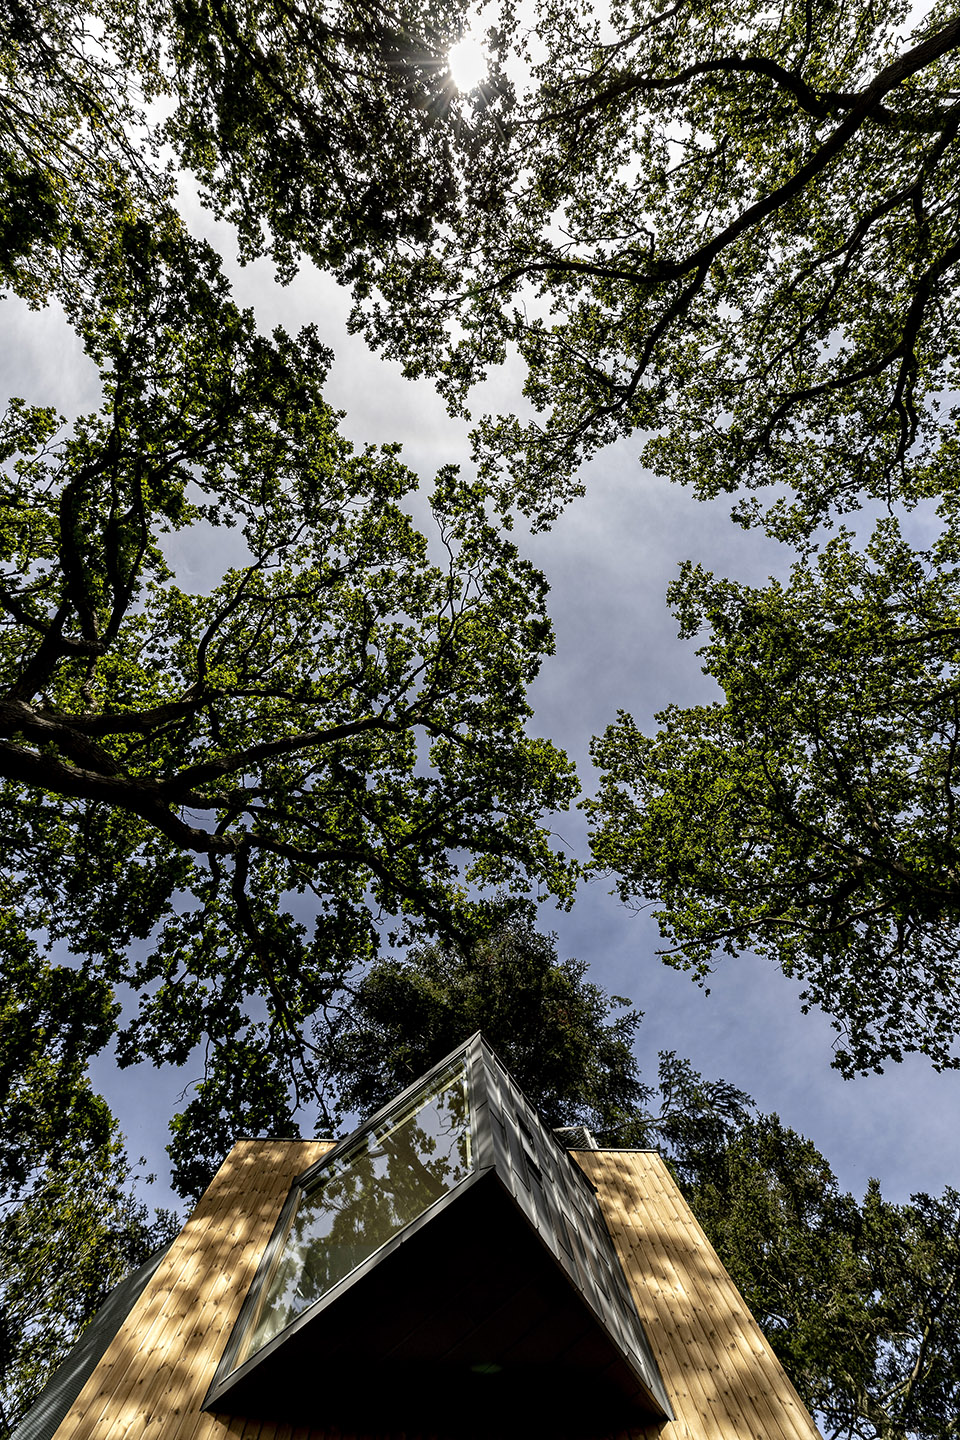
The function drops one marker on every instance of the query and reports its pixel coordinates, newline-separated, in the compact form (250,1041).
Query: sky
(608,559)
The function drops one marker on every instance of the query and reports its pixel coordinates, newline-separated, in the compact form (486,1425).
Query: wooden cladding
(724,1381)
(155,1374)
(722,1378)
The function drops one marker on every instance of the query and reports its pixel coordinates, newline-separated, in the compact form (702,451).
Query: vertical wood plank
(155,1373)
(723,1379)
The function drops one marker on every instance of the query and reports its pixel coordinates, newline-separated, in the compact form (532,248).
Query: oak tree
(810,815)
(216,796)
(732,230)
(730,227)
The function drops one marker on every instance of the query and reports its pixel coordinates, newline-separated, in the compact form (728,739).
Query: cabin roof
(723,1380)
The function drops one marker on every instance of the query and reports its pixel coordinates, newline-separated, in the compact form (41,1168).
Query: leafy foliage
(558,1035)
(70,1226)
(52,1020)
(860,1302)
(732,226)
(338,123)
(810,816)
(62,1249)
(77,156)
(241,784)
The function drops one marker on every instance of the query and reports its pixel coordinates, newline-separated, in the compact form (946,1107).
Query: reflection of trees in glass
(392,1174)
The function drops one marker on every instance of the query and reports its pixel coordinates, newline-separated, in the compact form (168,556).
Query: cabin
(453,1270)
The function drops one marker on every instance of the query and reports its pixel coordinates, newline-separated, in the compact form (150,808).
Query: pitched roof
(722,1378)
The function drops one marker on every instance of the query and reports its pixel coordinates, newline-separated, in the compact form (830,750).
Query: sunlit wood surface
(155,1374)
(723,1380)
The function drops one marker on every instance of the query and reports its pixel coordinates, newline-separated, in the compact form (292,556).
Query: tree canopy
(729,229)
(810,816)
(732,226)
(734,231)
(861,1301)
(336,125)
(213,797)
(77,155)
(558,1034)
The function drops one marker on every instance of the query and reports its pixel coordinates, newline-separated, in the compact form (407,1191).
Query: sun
(468,62)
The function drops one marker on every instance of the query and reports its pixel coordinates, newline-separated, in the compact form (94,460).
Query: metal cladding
(559,1202)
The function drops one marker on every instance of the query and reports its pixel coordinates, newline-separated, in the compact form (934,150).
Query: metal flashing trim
(559,1201)
(290,1256)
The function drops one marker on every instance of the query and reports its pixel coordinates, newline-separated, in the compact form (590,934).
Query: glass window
(386,1178)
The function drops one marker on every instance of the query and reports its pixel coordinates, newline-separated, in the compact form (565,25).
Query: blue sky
(608,559)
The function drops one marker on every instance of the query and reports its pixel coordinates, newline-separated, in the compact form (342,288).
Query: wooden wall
(153,1378)
(723,1380)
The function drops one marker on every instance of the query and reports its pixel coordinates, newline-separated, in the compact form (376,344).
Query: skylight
(383,1179)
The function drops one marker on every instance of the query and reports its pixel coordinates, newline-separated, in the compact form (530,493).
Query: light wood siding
(724,1381)
(722,1378)
(153,1377)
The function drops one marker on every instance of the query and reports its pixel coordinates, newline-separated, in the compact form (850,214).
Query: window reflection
(388,1177)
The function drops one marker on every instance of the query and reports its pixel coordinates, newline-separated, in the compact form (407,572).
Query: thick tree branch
(139,797)
(664,271)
